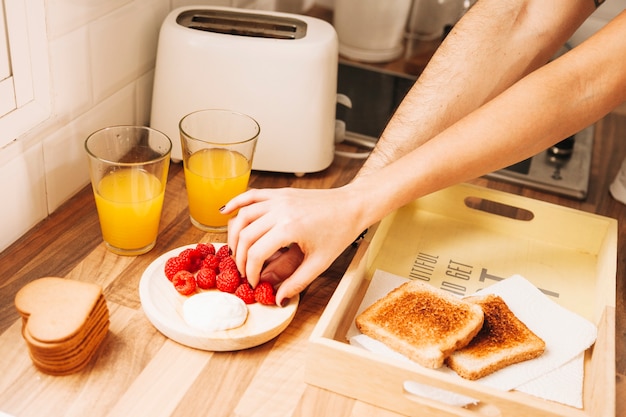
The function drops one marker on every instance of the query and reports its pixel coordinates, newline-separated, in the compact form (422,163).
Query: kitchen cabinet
(24,72)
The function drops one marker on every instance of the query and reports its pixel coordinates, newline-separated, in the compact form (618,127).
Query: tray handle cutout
(499,209)
(446,400)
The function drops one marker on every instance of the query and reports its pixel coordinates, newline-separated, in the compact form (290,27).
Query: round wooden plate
(163,306)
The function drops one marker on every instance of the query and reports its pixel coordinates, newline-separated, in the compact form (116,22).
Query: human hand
(282,264)
(290,235)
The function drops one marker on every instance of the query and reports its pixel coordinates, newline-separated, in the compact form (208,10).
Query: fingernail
(284,302)
(222,208)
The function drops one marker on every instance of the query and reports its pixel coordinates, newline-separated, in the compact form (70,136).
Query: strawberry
(228,280)
(206,278)
(184,282)
(223,252)
(173,265)
(194,258)
(264,293)
(246,293)
(211,262)
(205,249)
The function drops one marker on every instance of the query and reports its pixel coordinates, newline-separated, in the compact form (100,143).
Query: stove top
(566,175)
(375,94)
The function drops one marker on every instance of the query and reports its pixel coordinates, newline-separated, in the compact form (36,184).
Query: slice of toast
(503,341)
(421,322)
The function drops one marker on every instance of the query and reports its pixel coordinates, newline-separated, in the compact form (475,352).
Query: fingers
(259,231)
(244,199)
(306,273)
(244,229)
(261,247)
(257,244)
(243,218)
(282,264)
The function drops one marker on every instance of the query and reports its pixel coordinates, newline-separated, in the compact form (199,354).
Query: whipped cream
(213,311)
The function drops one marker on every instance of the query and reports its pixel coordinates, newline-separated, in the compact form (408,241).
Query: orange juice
(213,177)
(129,205)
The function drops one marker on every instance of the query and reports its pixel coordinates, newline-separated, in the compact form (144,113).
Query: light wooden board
(163,306)
(440,239)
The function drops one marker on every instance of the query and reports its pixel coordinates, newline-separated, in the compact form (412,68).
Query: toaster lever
(243,24)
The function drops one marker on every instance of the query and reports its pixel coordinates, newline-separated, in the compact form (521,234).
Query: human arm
(549,104)
(493,46)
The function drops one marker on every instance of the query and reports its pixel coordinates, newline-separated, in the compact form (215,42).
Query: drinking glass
(128,166)
(218,148)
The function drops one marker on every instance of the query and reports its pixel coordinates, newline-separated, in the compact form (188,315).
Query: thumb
(306,273)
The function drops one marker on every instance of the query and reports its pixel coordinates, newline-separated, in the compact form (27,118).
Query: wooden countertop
(137,371)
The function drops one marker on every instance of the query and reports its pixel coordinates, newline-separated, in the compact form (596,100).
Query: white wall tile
(143,98)
(22,182)
(65,160)
(67,15)
(123,45)
(71,78)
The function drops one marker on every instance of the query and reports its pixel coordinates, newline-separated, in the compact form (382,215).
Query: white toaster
(279,68)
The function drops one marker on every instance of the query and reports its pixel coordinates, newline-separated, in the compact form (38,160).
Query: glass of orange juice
(128,166)
(218,147)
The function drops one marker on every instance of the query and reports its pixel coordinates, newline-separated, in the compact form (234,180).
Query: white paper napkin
(556,375)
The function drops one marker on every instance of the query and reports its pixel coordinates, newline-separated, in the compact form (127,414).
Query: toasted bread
(421,322)
(503,341)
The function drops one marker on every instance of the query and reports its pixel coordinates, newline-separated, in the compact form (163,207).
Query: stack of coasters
(63,323)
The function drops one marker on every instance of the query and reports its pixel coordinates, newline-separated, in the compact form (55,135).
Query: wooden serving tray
(462,239)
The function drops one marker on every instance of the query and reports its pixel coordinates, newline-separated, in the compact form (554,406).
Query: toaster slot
(243,24)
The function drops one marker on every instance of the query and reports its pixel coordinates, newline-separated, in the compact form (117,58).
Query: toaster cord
(353,155)
(365,143)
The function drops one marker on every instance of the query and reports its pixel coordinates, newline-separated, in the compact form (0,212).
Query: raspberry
(227,263)
(184,282)
(205,249)
(173,265)
(211,262)
(194,258)
(264,293)
(246,293)
(228,280)
(223,252)
(206,278)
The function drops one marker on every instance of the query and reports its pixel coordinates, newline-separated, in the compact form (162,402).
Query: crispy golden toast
(502,341)
(421,322)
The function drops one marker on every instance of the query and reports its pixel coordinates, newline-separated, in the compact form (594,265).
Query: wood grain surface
(137,371)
